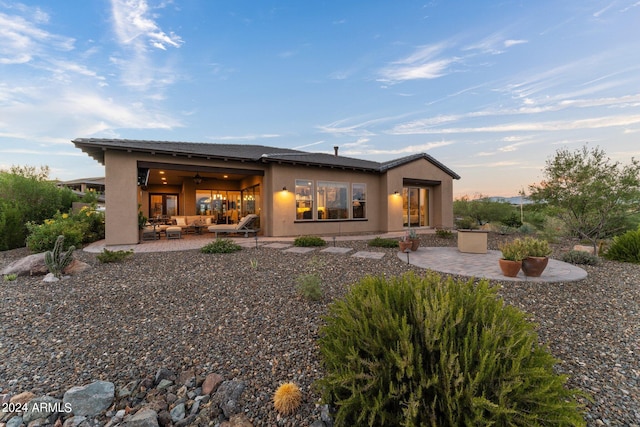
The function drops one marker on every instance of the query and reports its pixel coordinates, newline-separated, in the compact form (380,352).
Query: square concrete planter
(472,241)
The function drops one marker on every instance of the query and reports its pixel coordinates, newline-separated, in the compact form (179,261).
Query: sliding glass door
(415,207)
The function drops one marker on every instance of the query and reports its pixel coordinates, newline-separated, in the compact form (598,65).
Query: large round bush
(428,351)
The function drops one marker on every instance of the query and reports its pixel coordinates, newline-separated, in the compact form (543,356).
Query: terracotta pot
(415,244)
(404,245)
(533,266)
(509,268)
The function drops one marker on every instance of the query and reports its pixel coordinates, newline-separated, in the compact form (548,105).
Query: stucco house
(293,192)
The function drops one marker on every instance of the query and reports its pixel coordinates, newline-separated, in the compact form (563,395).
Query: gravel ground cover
(239,315)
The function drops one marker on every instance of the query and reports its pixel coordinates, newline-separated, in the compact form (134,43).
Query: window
(304,199)
(163,205)
(332,200)
(359,205)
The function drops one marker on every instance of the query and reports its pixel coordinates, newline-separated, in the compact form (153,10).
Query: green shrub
(438,352)
(26,195)
(625,248)
(113,256)
(10,277)
(443,233)
(307,241)
(512,221)
(526,228)
(380,242)
(580,257)
(221,246)
(309,287)
(466,223)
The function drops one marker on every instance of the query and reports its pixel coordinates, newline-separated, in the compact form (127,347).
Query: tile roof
(96,147)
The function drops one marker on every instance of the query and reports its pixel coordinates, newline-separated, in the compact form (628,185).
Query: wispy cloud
(425,63)
(22,39)
(537,126)
(133,24)
(137,31)
(250,137)
(406,150)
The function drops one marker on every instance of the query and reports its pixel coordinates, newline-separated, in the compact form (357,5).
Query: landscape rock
(237,420)
(91,399)
(211,383)
(15,422)
(142,418)
(76,421)
(22,398)
(227,396)
(178,412)
(42,408)
(33,265)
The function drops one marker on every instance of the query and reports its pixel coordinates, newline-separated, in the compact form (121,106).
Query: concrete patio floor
(440,259)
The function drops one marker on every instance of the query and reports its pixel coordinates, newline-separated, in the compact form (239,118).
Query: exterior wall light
(284,188)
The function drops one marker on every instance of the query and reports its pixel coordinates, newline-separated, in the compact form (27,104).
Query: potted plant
(537,256)
(142,222)
(512,255)
(405,243)
(414,239)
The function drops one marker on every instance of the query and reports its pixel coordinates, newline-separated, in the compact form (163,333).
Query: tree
(592,194)
(482,209)
(26,195)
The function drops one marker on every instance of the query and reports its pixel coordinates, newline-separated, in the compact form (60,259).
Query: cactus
(287,398)
(56,260)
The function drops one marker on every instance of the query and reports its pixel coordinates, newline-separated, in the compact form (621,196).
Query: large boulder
(91,399)
(33,265)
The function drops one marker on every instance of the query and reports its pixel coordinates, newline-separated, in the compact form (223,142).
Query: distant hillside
(514,200)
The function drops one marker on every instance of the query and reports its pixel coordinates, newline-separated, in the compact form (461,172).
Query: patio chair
(244,226)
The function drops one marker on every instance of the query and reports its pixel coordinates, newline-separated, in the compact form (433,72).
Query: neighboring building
(293,192)
(82,185)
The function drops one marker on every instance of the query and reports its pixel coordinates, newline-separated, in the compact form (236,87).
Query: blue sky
(490,88)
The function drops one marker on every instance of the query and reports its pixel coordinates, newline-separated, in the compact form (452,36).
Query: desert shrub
(309,287)
(553,229)
(10,277)
(380,242)
(221,246)
(466,223)
(307,241)
(416,351)
(42,237)
(526,228)
(625,248)
(512,221)
(580,257)
(443,233)
(83,227)
(113,256)
(26,195)
(504,230)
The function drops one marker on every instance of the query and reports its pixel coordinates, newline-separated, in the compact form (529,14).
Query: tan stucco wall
(440,196)
(283,221)
(121,198)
